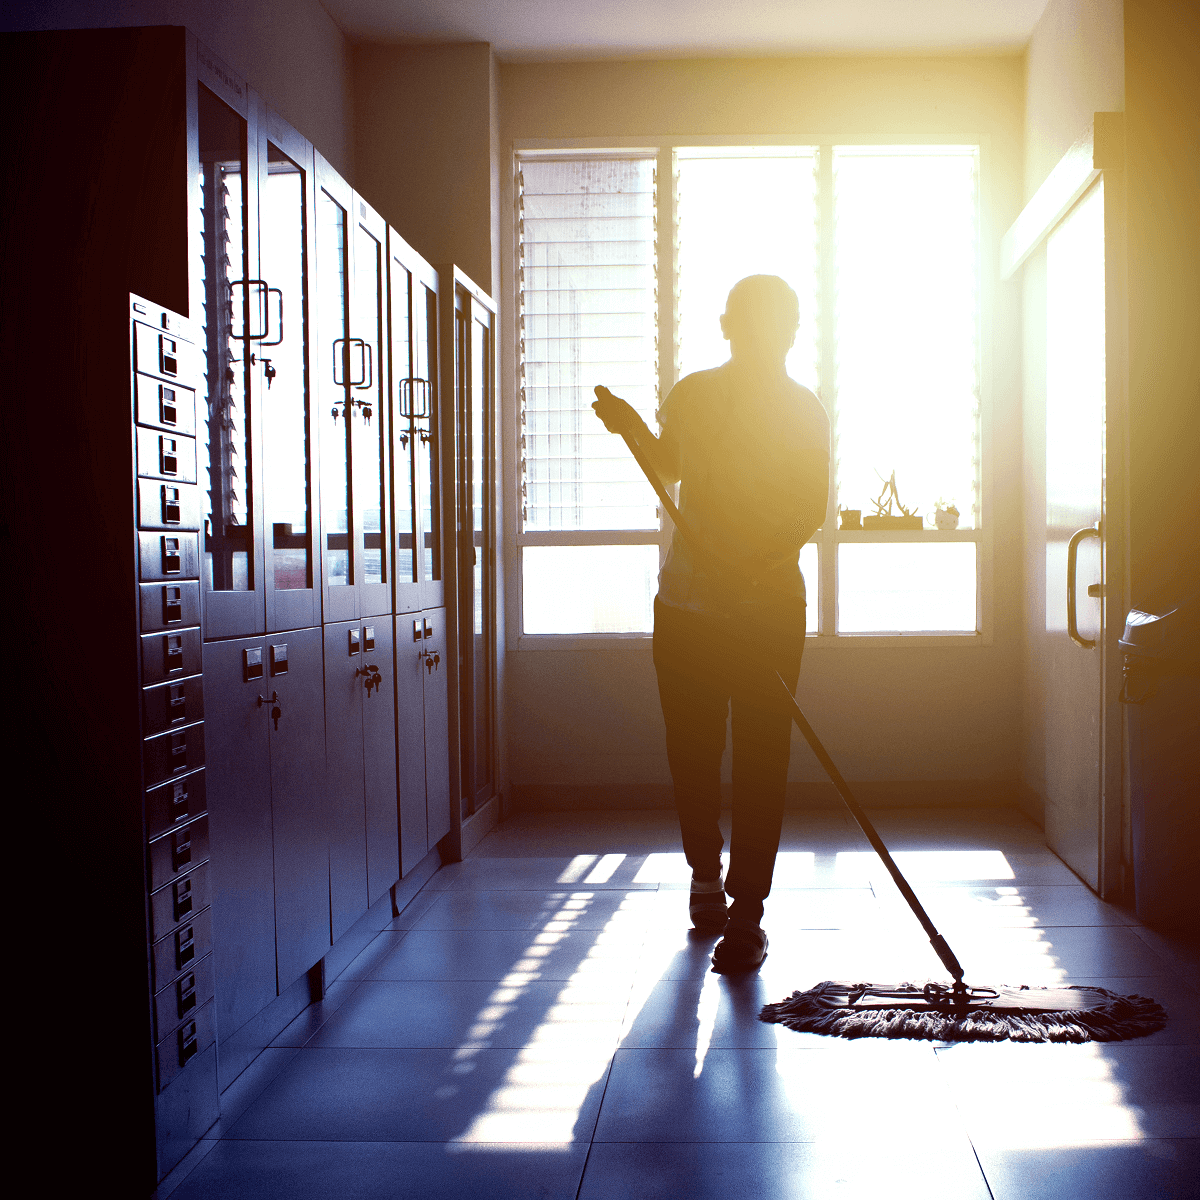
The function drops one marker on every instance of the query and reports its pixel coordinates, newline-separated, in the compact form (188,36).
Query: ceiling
(533,30)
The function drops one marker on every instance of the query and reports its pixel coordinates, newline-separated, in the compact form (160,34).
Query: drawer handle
(185,947)
(189,1043)
(185,994)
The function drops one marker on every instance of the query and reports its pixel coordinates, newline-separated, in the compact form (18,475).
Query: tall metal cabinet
(250,487)
(469,432)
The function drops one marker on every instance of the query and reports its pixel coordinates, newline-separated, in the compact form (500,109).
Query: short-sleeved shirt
(746,486)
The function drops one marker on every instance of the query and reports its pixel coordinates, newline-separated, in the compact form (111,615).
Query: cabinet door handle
(1078,536)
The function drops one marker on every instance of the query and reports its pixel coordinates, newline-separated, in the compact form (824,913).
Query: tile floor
(540,1022)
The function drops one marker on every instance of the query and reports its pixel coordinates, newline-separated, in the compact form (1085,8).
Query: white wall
(585,725)
(1075,67)
(290,51)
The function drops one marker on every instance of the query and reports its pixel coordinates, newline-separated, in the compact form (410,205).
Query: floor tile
(852,1165)
(1007,906)
(1180,955)
(1051,955)
(1042,1096)
(709,1010)
(521,874)
(1181,1002)
(315,1015)
(768,1094)
(290,1170)
(554,910)
(500,954)
(1154,1169)
(431,1014)
(538,1094)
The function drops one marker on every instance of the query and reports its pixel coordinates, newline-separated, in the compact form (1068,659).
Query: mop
(932,1011)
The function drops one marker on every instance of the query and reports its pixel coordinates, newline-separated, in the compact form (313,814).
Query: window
(624,263)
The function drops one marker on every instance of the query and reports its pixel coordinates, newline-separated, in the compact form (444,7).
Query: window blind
(588,305)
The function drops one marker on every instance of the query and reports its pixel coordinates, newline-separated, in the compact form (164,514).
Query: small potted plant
(945,514)
(884,517)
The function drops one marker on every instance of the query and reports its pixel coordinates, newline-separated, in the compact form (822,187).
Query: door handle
(1072,562)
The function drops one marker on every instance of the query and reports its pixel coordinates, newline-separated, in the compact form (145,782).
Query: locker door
(239,820)
(298,805)
(368,412)
(410,740)
(283,378)
(405,396)
(339,363)
(437,727)
(379,755)
(230,300)
(344,694)
(413,291)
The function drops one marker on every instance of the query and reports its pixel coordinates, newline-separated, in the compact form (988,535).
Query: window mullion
(666,290)
(827,390)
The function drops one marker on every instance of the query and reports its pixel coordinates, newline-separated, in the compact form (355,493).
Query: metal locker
(410,739)
(379,757)
(299,809)
(344,690)
(437,726)
(241,874)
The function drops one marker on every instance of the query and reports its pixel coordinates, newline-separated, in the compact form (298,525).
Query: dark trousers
(705,666)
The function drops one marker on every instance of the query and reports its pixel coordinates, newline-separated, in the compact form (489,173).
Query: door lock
(372,678)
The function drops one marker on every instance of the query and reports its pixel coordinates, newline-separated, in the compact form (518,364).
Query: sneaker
(707,905)
(743,948)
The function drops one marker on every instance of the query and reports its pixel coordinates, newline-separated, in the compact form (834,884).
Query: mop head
(937,1013)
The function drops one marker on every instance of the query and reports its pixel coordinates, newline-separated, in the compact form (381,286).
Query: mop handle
(940,946)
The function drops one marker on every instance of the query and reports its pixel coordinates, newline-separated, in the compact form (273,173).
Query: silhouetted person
(750,449)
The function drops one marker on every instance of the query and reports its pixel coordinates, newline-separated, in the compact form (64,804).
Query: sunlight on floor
(569,1050)
(1039,1097)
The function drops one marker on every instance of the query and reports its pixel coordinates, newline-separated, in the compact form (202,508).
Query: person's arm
(621,417)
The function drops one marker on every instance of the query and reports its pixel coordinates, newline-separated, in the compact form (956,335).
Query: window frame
(822,597)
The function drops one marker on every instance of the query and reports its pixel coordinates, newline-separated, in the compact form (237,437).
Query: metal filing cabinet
(163,374)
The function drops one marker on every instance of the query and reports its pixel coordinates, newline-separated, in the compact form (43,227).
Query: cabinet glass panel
(231,299)
(402,371)
(425,325)
(286,458)
(481,454)
(334,363)
(367,414)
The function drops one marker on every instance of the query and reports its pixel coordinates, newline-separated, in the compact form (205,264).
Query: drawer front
(189,1041)
(164,405)
(184,998)
(165,605)
(178,901)
(177,852)
(170,705)
(168,656)
(163,505)
(173,803)
(163,354)
(166,455)
(168,555)
(171,754)
(181,949)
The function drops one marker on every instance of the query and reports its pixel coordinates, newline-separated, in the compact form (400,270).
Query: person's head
(761,317)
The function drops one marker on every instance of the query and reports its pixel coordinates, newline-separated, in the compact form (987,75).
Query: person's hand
(618,415)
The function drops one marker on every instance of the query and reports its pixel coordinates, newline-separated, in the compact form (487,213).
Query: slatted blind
(587,291)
